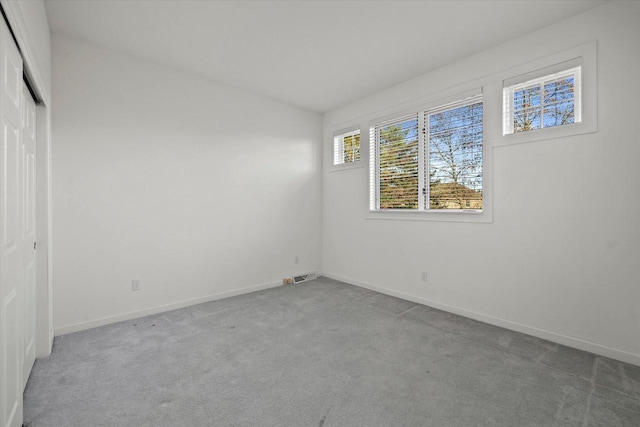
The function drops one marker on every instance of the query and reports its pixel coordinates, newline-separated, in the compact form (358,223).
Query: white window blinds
(397,146)
(429,160)
(455,157)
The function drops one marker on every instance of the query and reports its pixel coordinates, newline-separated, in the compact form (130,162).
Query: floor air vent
(304,277)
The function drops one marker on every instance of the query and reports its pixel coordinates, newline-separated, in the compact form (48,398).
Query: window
(549,101)
(346,147)
(430,160)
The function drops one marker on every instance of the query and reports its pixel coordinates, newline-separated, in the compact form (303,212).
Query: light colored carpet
(322,354)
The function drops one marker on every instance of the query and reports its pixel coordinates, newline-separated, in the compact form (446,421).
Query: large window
(430,160)
(549,101)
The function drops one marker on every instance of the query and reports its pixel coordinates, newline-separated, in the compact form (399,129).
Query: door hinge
(34,246)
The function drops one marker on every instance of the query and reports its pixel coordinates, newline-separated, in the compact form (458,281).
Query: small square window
(346,147)
(549,101)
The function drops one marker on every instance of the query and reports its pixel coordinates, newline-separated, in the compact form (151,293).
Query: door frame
(18,15)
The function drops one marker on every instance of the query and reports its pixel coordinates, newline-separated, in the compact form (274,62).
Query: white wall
(561,257)
(197,189)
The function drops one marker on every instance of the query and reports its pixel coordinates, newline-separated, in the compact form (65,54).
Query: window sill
(546,133)
(347,166)
(481,216)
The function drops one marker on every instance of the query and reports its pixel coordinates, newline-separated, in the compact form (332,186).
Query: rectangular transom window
(346,147)
(548,101)
(430,160)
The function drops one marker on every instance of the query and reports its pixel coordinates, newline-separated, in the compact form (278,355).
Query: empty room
(319,213)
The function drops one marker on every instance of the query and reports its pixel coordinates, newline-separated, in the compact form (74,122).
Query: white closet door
(11,271)
(28,235)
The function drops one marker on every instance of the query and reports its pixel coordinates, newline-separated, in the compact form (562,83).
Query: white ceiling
(317,55)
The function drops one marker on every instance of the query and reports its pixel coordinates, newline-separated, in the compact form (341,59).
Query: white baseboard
(599,349)
(76,327)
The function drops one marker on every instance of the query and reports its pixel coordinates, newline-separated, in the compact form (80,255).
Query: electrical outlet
(135,285)
(424,276)
(296,259)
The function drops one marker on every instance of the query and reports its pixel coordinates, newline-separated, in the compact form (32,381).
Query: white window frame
(337,148)
(509,95)
(584,57)
(423,211)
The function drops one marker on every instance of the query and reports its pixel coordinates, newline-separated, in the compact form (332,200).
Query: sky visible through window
(452,150)
(455,158)
(544,105)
